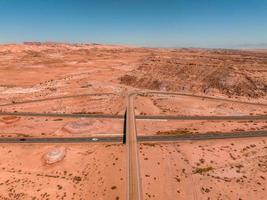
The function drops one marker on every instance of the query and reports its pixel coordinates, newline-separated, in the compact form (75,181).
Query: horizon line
(241,46)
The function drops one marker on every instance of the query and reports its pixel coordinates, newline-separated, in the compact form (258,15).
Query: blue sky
(156,23)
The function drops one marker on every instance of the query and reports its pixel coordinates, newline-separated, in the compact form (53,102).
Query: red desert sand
(61,78)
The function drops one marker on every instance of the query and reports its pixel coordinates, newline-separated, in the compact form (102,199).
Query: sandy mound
(54,155)
(82,126)
(9,119)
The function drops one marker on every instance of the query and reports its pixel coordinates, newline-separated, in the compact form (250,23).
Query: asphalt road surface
(152,117)
(134,189)
(152,138)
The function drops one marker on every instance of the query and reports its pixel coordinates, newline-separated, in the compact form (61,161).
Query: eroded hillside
(227,72)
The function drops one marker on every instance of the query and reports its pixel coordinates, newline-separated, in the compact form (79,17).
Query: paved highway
(173,117)
(152,138)
(152,117)
(206,136)
(61,140)
(134,189)
(60,115)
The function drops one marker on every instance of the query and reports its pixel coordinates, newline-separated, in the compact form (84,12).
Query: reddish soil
(96,104)
(33,74)
(218,169)
(194,106)
(95,171)
(230,73)
(60,127)
(174,127)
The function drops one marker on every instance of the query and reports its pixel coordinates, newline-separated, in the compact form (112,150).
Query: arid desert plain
(199,118)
